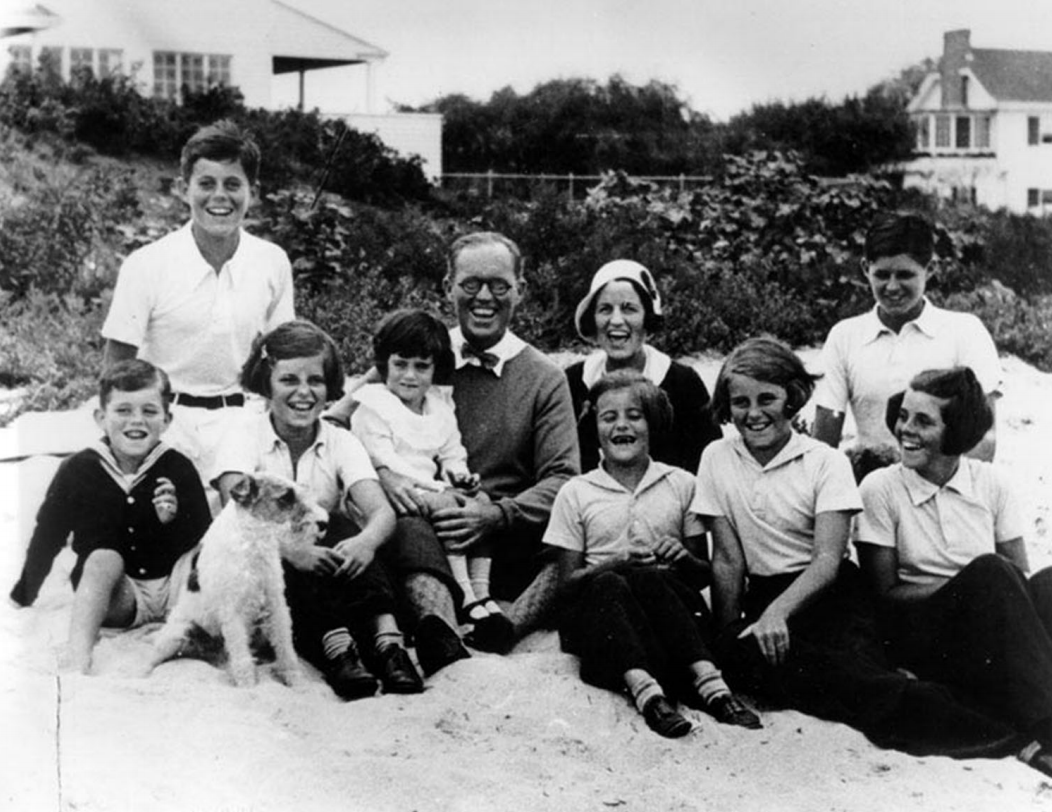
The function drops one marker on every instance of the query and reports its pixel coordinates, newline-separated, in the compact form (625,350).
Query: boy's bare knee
(103,566)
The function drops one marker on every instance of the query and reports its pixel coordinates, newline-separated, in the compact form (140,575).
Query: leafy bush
(50,345)
(1018,326)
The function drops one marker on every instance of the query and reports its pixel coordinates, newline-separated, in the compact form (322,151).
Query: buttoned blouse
(597,515)
(333,463)
(937,531)
(772,507)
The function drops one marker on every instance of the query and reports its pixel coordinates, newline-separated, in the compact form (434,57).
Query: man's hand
(471,522)
(402,493)
(356,554)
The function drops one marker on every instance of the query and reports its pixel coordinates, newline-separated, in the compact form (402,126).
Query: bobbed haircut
(893,234)
(652,322)
(414,334)
(222,141)
(133,375)
(293,339)
(656,407)
(966,413)
(768,360)
(478,239)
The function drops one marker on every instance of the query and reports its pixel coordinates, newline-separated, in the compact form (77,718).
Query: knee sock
(642,687)
(459,565)
(708,681)
(479,569)
(531,608)
(337,642)
(427,595)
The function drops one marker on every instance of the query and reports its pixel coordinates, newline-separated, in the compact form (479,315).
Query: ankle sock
(642,687)
(708,681)
(383,640)
(337,642)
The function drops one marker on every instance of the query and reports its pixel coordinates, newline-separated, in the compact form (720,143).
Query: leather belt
(212,402)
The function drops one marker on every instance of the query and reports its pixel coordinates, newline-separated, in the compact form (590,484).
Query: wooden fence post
(489,184)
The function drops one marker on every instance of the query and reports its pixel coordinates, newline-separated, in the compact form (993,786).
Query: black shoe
(664,719)
(397,672)
(493,633)
(730,710)
(437,645)
(348,677)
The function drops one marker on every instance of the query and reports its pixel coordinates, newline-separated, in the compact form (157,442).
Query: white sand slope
(490,733)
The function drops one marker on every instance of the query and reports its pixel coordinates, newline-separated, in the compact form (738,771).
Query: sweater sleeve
(194,515)
(555,454)
(54,524)
(693,426)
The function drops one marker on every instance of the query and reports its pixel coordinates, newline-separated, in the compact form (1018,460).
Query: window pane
(51,60)
(21,59)
(193,72)
(942,131)
(110,60)
(923,132)
(982,132)
(1032,198)
(964,132)
(165,78)
(1033,127)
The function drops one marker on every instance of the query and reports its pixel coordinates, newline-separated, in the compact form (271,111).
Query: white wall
(407,133)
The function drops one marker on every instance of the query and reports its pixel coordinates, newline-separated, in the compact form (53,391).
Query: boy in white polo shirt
(192,302)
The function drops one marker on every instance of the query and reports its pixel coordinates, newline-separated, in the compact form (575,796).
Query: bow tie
(480,358)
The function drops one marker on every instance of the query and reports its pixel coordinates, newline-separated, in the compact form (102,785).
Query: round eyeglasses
(472,285)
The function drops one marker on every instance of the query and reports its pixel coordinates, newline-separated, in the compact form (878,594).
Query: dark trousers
(634,617)
(320,603)
(836,669)
(986,633)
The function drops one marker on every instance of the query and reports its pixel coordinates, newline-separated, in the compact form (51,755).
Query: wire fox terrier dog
(236,586)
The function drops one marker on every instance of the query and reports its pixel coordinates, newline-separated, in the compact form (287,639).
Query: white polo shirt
(333,463)
(864,363)
(595,514)
(193,323)
(772,507)
(937,531)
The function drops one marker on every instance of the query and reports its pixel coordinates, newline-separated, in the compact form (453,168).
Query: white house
(167,45)
(984,127)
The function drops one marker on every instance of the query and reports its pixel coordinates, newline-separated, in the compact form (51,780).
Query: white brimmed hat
(618,269)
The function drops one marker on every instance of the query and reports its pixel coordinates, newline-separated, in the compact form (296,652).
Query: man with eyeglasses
(516,419)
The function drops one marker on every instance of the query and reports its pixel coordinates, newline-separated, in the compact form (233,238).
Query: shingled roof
(1014,75)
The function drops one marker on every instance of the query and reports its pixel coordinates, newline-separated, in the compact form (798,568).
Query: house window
(982,132)
(1033,198)
(964,91)
(80,64)
(942,131)
(195,72)
(21,59)
(110,61)
(1033,130)
(964,132)
(51,61)
(923,132)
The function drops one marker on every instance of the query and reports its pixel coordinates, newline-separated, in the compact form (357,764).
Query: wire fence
(503,184)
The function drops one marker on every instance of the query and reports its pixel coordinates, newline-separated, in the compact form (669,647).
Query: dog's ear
(287,499)
(245,491)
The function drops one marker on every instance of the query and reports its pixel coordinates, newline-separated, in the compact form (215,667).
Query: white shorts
(155,597)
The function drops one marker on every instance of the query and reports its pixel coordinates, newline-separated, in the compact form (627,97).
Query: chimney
(956,45)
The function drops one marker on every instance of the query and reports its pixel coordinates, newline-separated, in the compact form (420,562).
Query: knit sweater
(519,433)
(85,499)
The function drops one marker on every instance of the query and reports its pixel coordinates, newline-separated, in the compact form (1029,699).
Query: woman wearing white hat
(622,307)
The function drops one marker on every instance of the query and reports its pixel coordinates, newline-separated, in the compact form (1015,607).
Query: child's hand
(669,549)
(165,501)
(465,482)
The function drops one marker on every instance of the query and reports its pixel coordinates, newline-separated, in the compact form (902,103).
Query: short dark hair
(652,399)
(414,334)
(293,339)
(652,322)
(769,360)
(893,234)
(479,238)
(222,141)
(967,414)
(132,375)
